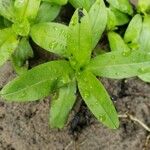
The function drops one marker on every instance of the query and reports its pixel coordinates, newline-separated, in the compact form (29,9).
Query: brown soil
(25,126)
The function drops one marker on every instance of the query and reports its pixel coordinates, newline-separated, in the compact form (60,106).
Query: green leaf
(116,18)
(8,44)
(79,41)
(144,40)
(116,42)
(143,6)
(133,31)
(98,19)
(22,54)
(122,5)
(86,4)
(47,12)
(26,9)
(145,77)
(120,65)
(38,82)
(50,36)
(59,2)
(61,104)
(97,99)
(21,28)
(7,9)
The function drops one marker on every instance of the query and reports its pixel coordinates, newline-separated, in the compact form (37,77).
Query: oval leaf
(50,36)
(116,42)
(97,99)
(122,5)
(119,65)
(61,104)
(133,31)
(47,12)
(37,82)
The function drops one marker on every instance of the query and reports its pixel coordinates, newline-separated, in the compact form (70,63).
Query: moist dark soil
(24,126)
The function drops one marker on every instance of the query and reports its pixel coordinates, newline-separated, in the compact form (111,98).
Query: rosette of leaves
(78,69)
(16,21)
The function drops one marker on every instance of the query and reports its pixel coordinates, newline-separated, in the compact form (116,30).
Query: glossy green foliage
(62,102)
(7,9)
(116,42)
(97,99)
(122,5)
(79,42)
(145,44)
(143,6)
(26,9)
(60,77)
(38,82)
(60,2)
(98,19)
(47,12)
(8,43)
(133,31)
(82,3)
(116,18)
(119,65)
(50,36)
(22,53)
(145,34)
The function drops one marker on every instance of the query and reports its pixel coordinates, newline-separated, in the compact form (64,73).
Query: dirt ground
(25,126)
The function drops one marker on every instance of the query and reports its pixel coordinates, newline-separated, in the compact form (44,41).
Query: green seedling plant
(76,69)
(16,20)
(136,37)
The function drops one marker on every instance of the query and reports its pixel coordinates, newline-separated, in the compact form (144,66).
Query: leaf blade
(98,19)
(50,36)
(119,65)
(37,82)
(97,99)
(61,105)
(79,41)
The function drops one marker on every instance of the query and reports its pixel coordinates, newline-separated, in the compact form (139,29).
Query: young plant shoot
(18,18)
(76,69)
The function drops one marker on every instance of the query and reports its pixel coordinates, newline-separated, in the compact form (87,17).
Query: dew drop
(102,118)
